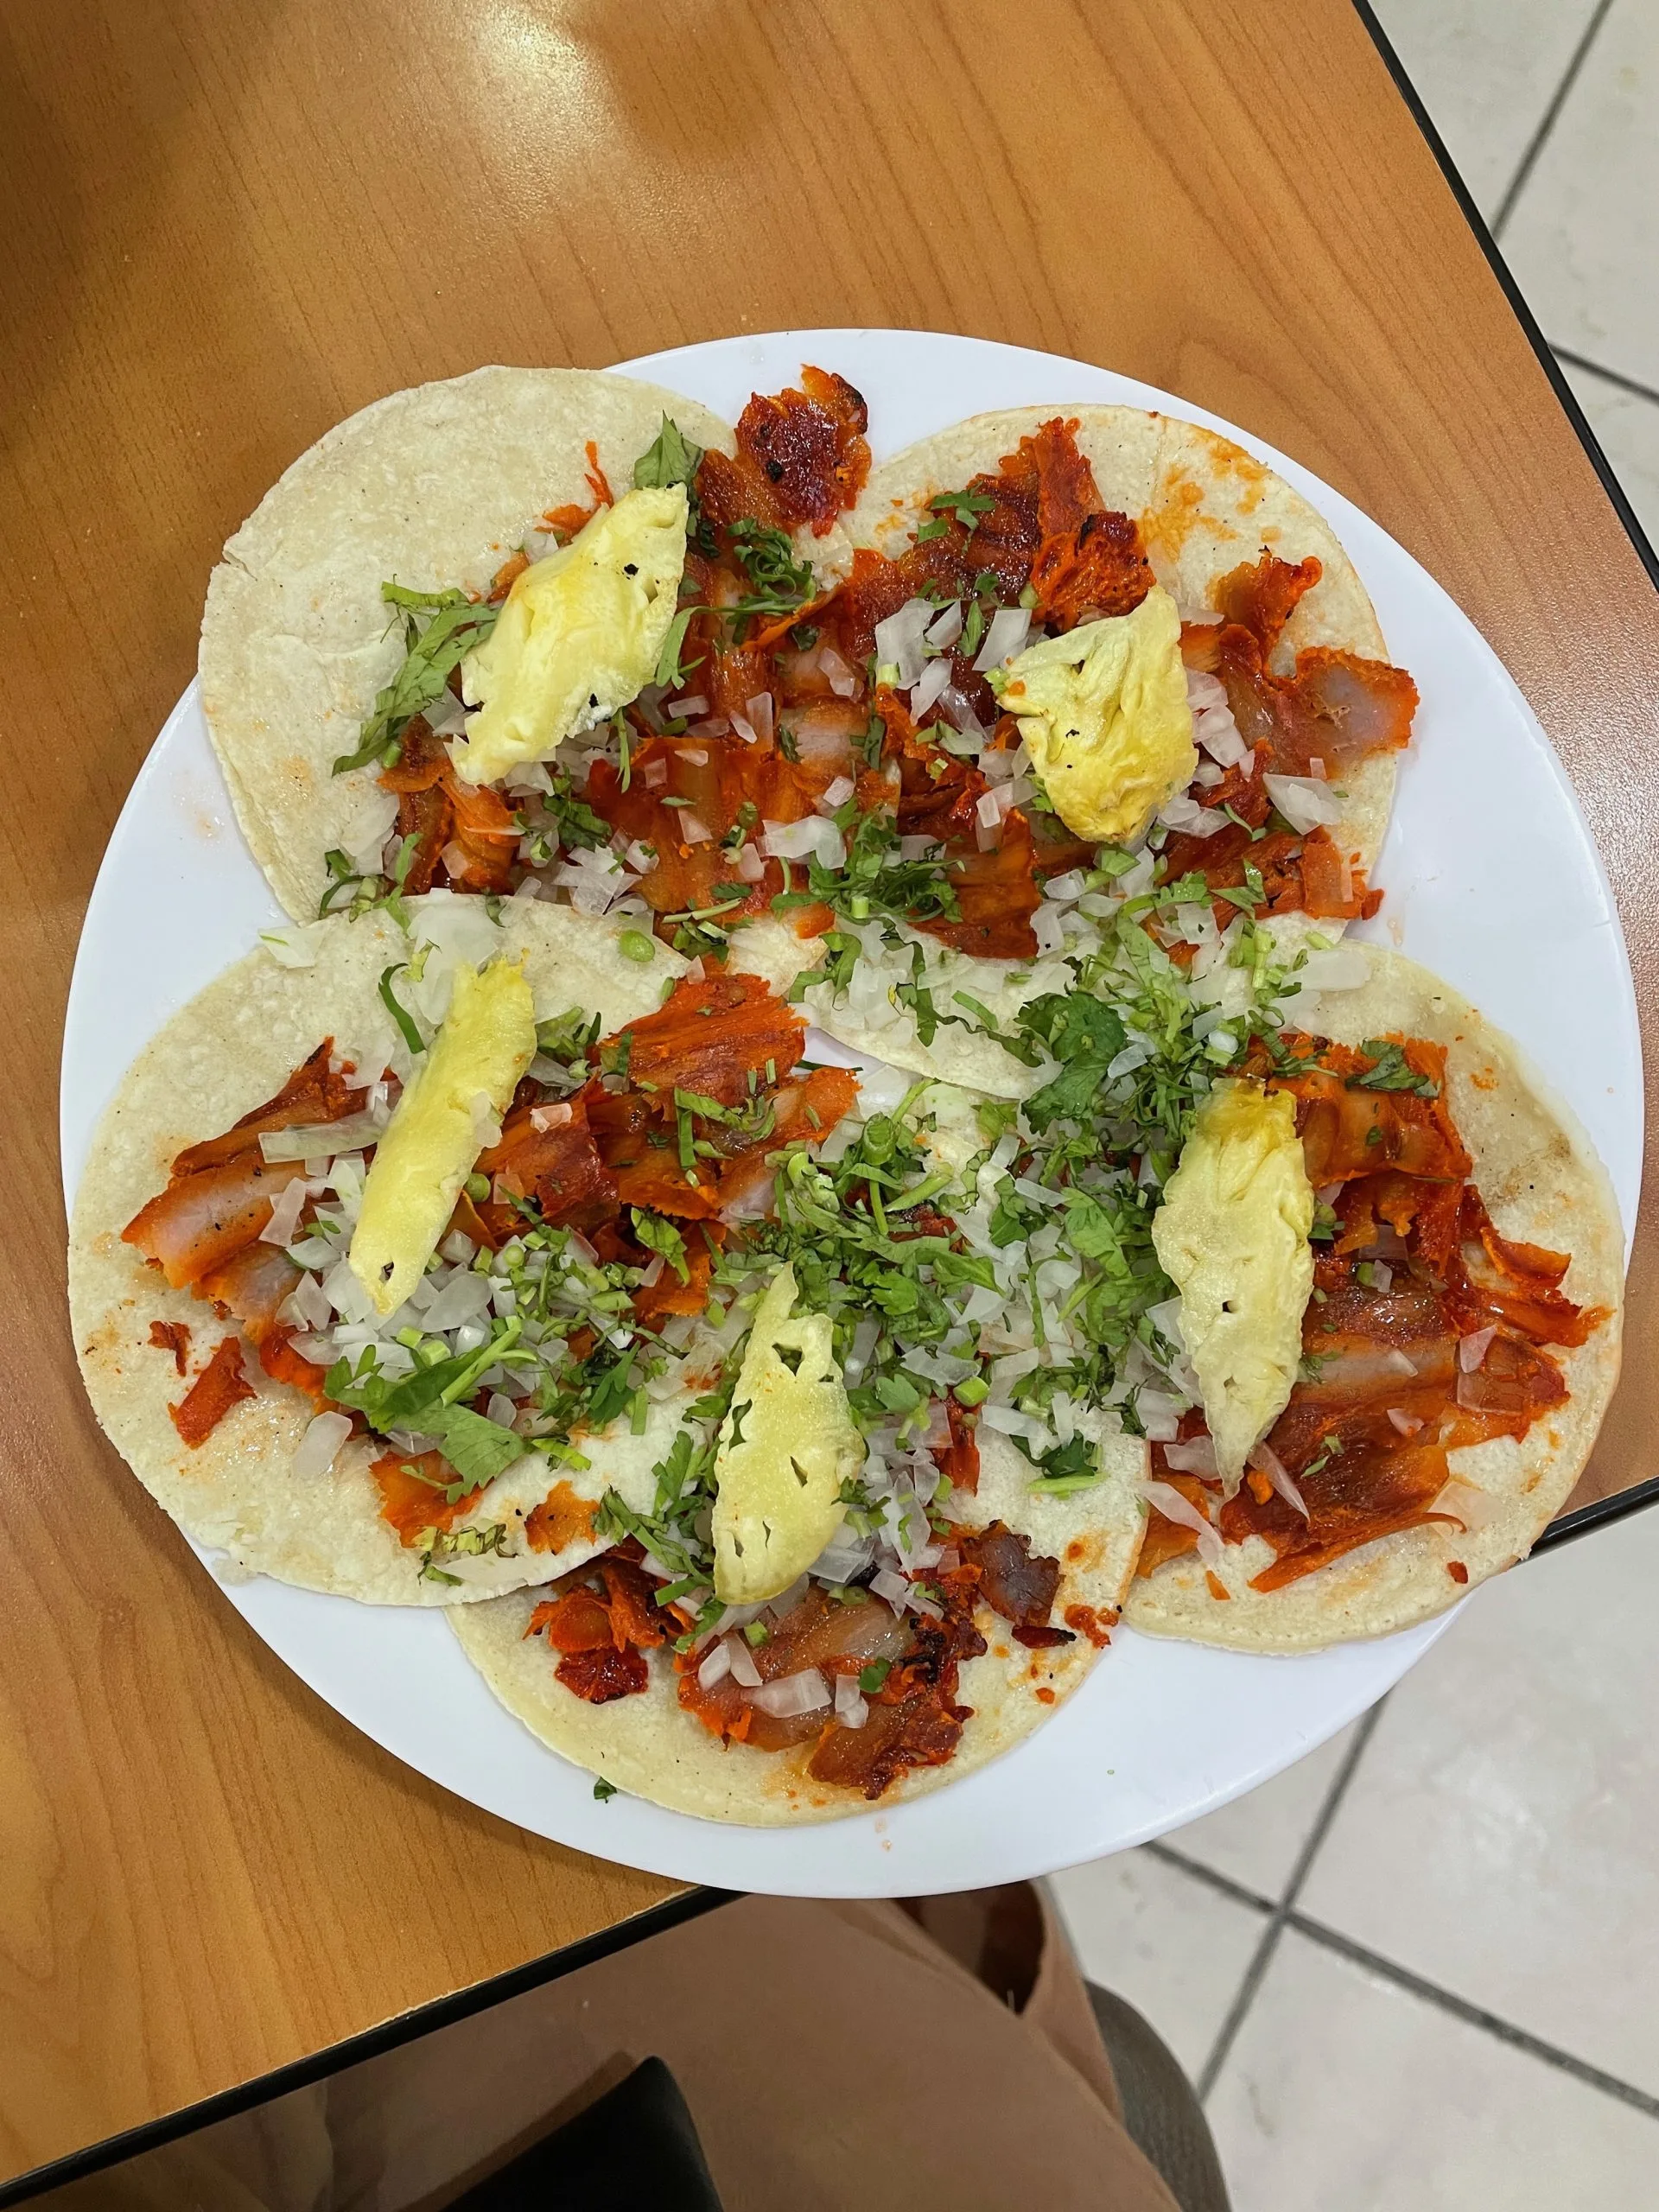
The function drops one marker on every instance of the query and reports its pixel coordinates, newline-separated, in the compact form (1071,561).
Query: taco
(1399,1269)
(343,1325)
(1121,654)
(896,1531)
(845,1699)
(446,612)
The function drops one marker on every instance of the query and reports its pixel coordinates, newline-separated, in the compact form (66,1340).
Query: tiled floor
(1421,1969)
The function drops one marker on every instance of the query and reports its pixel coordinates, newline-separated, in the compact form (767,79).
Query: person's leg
(1012,1940)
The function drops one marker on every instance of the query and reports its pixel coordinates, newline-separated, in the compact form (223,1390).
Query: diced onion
(1303,800)
(1184,814)
(945,628)
(842,679)
(1048,929)
(899,639)
(851,1710)
(1005,636)
(715,1667)
(1473,1350)
(760,712)
(656,774)
(1215,729)
(1473,1506)
(551,1117)
(751,869)
(1173,1507)
(1273,1468)
(929,687)
(317,1450)
(371,825)
(323,1140)
(641,857)
(794,840)
(744,1669)
(959,708)
(307,1304)
(464,1298)
(836,794)
(285,1213)
(1408,1424)
(692,831)
(793,1695)
(686,710)
(1203,690)
(1196,1458)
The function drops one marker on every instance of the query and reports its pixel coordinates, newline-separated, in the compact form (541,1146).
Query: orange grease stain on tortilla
(1045,1697)
(561,1519)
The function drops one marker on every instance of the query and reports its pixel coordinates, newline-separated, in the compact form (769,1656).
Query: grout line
(1474,2015)
(1223,1884)
(1328,1812)
(1256,1972)
(1546,122)
(1608,375)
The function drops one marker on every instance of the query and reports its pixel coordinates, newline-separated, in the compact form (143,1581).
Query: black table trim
(1637,1496)
(371,2042)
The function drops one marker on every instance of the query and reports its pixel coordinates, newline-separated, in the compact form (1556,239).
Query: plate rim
(764,1858)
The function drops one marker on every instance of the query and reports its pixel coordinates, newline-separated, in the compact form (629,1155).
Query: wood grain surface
(230,223)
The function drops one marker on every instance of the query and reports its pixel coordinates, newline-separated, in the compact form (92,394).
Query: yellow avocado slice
(1232,1235)
(1104,716)
(484,1046)
(786,1448)
(578,638)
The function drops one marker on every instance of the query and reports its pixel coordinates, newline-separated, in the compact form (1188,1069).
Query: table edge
(369,2043)
(1636,1497)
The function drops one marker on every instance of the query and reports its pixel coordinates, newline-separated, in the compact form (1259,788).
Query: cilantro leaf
(433,649)
(658,1235)
(1085,1036)
(1064,1467)
(477,1448)
(670,458)
(1393,1070)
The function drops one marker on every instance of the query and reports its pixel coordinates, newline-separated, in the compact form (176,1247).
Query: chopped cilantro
(1391,1070)
(670,458)
(439,629)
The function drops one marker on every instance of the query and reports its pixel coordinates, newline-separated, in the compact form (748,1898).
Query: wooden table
(229,224)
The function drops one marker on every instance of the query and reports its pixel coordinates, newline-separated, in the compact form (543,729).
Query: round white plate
(1491,879)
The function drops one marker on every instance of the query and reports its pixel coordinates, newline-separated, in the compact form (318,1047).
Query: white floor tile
(1498,1838)
(1485,70)
(1628,426)
(1164,1940)
(1584,238)
(1345,2094)
(1258,1838)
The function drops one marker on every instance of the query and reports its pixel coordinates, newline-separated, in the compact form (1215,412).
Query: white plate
(1491,879)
